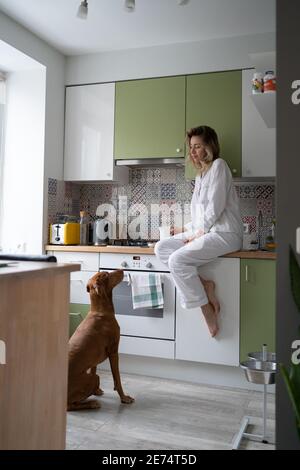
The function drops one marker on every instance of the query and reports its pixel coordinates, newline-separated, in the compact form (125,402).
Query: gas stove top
(128,242)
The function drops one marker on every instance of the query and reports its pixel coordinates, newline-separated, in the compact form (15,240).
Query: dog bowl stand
(242,433)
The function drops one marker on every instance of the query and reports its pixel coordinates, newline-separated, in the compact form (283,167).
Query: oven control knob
(124,264)
(149,265)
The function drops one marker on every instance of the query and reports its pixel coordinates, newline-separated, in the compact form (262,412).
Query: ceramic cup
(164,232)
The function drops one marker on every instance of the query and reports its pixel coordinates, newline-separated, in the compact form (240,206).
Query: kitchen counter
(150,251)
(34,327)
(27,268)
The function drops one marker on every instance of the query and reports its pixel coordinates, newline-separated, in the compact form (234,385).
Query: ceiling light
(130,5)
(182,2)
(83,10)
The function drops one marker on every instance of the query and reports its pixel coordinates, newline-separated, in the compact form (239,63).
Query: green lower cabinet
(215,100)
(77,313)
(150,118)
(258,296)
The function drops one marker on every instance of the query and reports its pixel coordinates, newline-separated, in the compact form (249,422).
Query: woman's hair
(210,139)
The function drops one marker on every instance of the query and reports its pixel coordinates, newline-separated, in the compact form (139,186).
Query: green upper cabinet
(258,292)
(150,118)
(215,100)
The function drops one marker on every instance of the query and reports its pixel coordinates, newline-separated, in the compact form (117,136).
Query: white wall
(23,40)
(22,218)
(178,59)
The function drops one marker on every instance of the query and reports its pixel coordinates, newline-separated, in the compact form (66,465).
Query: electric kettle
(103,230)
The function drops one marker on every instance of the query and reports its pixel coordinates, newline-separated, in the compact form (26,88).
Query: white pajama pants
(184,260)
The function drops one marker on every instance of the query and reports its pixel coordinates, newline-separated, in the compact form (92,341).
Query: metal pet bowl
(259,356)
(260,372)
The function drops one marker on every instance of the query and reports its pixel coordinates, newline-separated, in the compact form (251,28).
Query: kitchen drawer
(78,292)
(147,347)
(87,261)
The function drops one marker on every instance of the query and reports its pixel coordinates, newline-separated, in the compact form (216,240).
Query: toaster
(65,234)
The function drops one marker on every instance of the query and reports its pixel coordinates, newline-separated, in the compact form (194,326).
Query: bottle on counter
(270,240)
(257,83)
(260,230)
(84,228)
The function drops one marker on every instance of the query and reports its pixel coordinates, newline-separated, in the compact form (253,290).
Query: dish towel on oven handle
(146,290)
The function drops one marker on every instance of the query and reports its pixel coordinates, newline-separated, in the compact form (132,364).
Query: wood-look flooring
(168,415)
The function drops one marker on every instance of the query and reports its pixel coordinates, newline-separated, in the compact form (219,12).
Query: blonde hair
(212,146)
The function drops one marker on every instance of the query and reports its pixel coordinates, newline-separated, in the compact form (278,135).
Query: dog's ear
(88,288)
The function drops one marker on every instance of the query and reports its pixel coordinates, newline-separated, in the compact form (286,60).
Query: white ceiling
(154,22)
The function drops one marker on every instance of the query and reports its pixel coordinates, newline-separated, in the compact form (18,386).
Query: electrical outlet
(246,228)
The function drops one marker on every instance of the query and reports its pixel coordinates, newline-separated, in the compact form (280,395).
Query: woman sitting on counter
(216,227)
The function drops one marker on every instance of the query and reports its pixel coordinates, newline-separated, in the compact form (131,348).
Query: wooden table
(34,320)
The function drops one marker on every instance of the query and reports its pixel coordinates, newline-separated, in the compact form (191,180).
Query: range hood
(151,162)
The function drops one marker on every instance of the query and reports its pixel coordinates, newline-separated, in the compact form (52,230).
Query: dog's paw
(127,399)
(98,392)
(94,404)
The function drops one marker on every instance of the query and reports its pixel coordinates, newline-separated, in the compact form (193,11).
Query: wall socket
(246,228)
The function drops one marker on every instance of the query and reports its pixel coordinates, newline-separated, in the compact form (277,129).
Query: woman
(216,227)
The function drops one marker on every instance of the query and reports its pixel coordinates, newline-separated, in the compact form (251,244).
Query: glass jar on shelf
(257,83)
(269,82)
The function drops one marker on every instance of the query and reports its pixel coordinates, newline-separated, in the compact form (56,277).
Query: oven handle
(126,275)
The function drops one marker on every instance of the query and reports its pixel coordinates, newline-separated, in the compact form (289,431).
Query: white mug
(164,232)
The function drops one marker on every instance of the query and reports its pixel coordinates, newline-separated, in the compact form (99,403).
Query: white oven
(142,322)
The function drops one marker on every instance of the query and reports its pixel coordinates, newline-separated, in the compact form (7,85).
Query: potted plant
(292,376)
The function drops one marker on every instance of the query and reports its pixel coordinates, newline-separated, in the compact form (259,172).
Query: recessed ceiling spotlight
(82,12)
(129,5)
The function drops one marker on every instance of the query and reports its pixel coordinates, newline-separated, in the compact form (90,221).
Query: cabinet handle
(247,273)
(234,171)
(178,150)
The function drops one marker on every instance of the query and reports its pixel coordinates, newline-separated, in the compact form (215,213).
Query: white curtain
(2,88)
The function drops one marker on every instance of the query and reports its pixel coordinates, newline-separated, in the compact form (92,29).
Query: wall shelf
(266,106)
(265,102)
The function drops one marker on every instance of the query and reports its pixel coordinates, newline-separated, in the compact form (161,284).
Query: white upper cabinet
(258,140)
(89,134)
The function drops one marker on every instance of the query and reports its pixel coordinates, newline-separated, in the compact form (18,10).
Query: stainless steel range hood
(151,162)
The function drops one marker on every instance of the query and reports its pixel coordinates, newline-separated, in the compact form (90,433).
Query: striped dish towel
(146,290)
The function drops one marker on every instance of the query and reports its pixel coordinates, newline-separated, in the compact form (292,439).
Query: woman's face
(197,150)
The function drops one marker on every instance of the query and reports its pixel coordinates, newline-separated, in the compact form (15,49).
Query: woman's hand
(176,230)
(193,237)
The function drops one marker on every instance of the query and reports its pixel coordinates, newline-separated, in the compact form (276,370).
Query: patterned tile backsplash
(148,187)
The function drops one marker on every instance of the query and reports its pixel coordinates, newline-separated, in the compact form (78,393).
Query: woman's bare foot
(209,287)
(211,319)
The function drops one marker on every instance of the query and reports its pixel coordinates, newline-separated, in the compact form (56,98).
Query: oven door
(145,322)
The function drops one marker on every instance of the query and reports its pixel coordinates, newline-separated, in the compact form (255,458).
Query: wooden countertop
(25,268)
(150,251)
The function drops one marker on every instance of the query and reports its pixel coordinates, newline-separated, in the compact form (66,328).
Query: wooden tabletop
(150,251)
(24,268)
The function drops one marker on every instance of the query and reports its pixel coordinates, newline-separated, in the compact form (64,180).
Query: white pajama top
(215,203)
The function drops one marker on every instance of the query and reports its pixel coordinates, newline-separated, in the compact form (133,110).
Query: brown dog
(96,339)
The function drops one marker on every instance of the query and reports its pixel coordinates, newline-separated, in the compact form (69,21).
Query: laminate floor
(168,415)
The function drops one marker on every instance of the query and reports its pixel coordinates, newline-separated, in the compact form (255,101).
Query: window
(2,116)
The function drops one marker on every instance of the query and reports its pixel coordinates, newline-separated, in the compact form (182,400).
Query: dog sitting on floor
(96,339)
